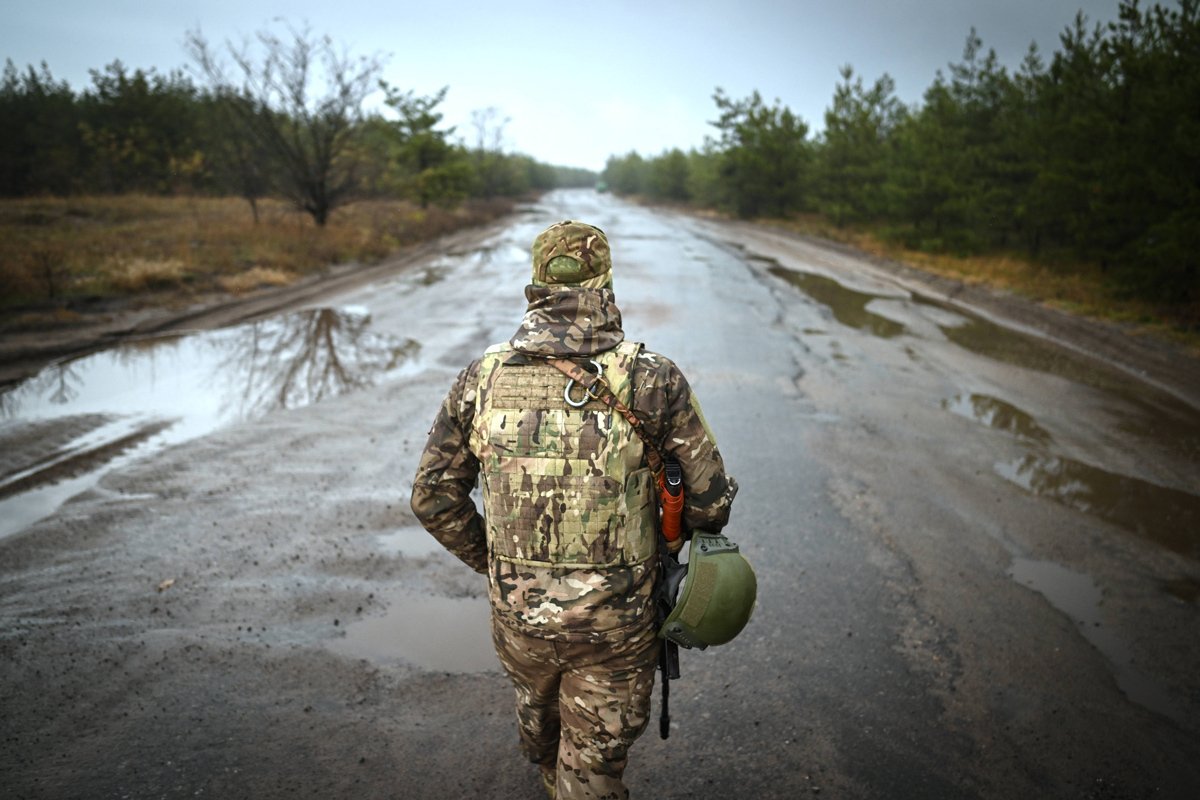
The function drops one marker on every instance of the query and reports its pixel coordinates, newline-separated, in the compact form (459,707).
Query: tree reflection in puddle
(1167,516)
(997,414)
(169,389)
(306,357)
(218,376)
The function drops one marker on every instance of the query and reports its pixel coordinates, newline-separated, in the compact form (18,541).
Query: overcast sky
(578,81)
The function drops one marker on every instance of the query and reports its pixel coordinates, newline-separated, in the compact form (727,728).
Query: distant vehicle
(601,186)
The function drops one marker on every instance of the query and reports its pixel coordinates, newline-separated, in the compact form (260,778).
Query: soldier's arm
(441,495)
(684,433)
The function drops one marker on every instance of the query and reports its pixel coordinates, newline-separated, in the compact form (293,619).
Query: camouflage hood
(567,321)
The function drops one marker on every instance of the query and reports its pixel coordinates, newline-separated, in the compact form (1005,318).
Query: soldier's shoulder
(655,365)
(471,371)
(657,377)
(498,347)
(462,391)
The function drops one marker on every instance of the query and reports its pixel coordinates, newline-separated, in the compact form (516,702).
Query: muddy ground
(251,612)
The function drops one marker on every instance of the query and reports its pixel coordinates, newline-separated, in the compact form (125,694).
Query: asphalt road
(977,549)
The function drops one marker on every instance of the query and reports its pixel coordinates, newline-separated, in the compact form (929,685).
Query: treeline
(285,119)
(1092,157)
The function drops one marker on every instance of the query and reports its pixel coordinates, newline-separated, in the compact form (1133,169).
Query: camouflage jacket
(568,603)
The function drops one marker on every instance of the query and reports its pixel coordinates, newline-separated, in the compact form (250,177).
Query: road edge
(1142,355)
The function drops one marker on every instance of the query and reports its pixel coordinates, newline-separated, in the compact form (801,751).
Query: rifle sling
(598,388)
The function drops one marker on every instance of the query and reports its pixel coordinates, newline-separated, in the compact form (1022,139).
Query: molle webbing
(563,487)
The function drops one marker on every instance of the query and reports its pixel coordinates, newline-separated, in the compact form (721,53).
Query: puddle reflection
(1167,516)
(434,633)
(160,391)
(1137,408)
(1011,347)
(1078,596)
(215,377)
(848,306)
(997,414)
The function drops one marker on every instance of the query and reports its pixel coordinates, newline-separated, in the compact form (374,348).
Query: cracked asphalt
(975,524)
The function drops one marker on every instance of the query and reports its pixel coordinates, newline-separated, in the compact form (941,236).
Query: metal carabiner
(589,393)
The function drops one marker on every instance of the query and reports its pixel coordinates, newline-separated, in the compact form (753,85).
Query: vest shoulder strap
(596,386)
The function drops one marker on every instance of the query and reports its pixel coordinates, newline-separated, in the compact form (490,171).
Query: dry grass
(141,274)
(254,278)
(62,252)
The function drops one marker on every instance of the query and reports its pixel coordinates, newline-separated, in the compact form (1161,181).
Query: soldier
(567,538)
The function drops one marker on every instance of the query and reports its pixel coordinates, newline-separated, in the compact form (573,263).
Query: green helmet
(718,594)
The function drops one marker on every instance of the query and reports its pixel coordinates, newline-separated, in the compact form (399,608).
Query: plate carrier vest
(562,487)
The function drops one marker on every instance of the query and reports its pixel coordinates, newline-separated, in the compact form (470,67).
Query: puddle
(1022,350)
(144,395)
(437,634)
(412,541)
(848,306)
(1002,344)
(1078,596)
(1169,517)
(1162,423)
(997,414)
(1139,409)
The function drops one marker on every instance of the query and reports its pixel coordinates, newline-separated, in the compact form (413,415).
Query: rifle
(671,575)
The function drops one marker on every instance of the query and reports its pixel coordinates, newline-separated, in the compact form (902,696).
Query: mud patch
(431,633)
(1136,407)
(25,444)
(82,455)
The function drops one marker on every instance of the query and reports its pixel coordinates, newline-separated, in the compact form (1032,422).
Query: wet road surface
(977,550)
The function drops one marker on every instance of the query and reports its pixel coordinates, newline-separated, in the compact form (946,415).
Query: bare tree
(489,129)
(301,100)
(494,171)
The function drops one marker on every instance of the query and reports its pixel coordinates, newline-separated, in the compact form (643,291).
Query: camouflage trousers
(580,706)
